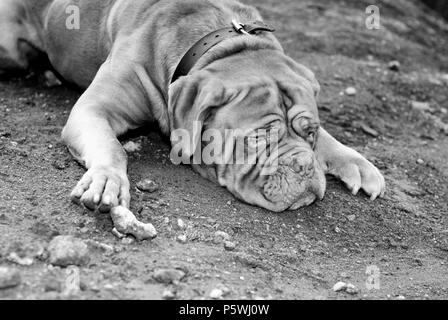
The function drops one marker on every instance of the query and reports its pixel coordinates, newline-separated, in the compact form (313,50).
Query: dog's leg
(112,105)
(349,166)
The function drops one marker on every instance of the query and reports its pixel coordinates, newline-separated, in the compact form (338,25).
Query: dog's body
(125,53)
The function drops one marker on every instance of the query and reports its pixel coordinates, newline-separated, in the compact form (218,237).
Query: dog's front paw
(102,188)
(358,173)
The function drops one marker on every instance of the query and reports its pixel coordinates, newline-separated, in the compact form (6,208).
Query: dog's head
(254,115)
(18,39)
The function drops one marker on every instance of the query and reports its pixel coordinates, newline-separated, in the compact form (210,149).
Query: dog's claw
(102,189)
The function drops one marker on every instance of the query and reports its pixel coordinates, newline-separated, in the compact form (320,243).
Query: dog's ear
(191,99)
(305,73)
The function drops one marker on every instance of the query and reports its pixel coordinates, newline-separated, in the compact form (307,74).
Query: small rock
(420,161)
(23,261)
(127,241)
(147,185)
(420,106)
(445,78)
(117,234)
(126,223)
(216,294)
(221,236)
(444,110)
(67,250)
(168,295)
(400,297)
(369,130)
(168,276)
(51,79)
(182,238)
(351,217)
(394,65)
(59,165)
(180,224)
(339,286)
(229,245)
(131,147)
(103,247)
(9,278)
(351,289)
(350,91)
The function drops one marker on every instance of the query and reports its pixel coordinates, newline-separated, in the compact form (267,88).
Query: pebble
(339,286)
(67,250)
(127,241)
(51,80)
(131,146)
(351,289)
(9,278)
(229,245)
(106,248)
(221,236)
(168,276)
(350,91)
(216,293)
(420,161)
(126,223)
(15,258)
(180,224)
(168,295)
(345,287)
(182,238)
(394,65)
(117,234)
(59,165)
(147,185)
(351,217)
(420,106)
(369,130)
(445,78)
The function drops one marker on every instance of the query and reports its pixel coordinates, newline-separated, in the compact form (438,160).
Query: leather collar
(212,39)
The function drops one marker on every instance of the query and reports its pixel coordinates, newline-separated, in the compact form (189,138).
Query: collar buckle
(239,27)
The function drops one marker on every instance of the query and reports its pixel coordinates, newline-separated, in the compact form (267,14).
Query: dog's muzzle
(298,182)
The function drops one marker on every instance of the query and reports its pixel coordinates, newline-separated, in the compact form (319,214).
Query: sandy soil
(294,255)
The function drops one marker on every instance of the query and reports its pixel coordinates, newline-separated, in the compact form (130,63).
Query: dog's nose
(303,164)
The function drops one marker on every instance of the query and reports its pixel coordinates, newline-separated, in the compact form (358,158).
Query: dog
(126,55)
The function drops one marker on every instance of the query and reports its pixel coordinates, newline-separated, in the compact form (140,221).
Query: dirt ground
(295,255)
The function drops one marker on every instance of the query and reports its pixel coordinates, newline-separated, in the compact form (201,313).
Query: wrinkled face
(270,104)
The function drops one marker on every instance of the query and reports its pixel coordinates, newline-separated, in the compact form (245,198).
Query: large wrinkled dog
(125,54)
